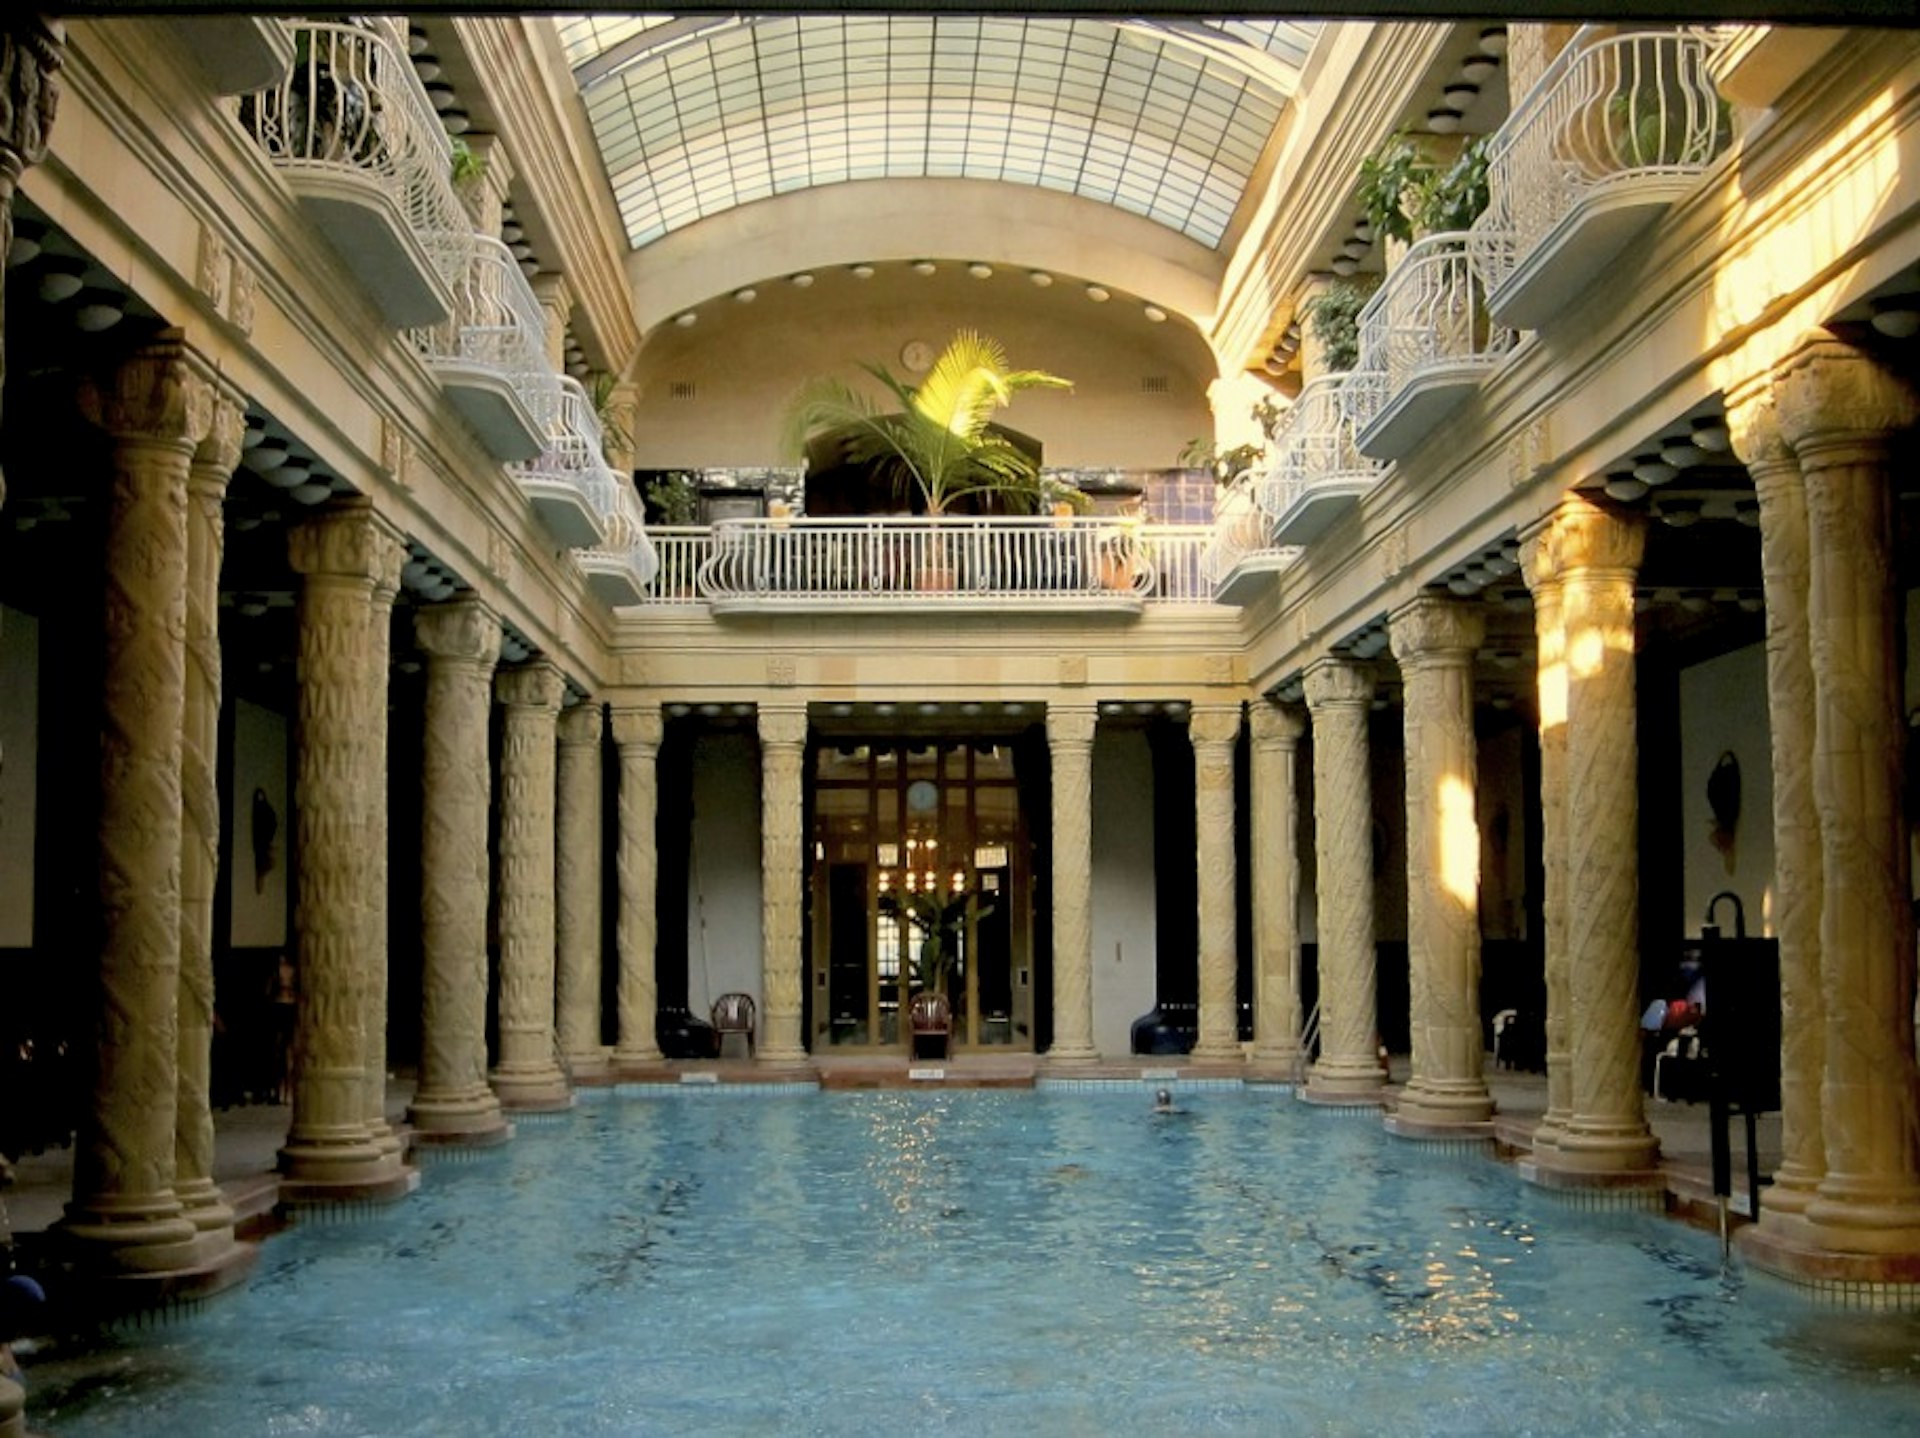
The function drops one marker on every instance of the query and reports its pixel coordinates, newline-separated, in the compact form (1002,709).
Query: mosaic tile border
(1855,1295)
(1045,1084)
(703,1090)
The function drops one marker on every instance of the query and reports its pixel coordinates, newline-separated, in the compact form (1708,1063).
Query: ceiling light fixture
(860,272)
(1461,93)
(925,267)
(980,271)
(801,281)
(1476,68)
(455,122)
(26,245)
(686,318)
(1154,314)
(1711,434)
(60,278)
(1652,470)
(99,309)
(1098,294)
(1624,487)
(1493,40)
(746,294)
(1039,279)
(1443,121)
(1897,319)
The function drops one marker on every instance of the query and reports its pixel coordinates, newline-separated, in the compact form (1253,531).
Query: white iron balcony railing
(1240,554)
(352,130)
(1084,563)
(568,482)
(1616,130)
(1426,341)
(680,550)
(491,353)
(620,570)
(1178,555)
(1318,472)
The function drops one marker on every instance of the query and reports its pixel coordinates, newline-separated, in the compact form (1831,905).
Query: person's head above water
(1163,1099)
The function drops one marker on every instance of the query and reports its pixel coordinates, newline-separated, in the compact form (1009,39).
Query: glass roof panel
(695,115)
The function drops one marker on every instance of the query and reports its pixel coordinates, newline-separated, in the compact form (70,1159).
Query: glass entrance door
(919,886)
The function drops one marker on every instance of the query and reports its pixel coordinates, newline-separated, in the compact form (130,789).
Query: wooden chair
(733,1025)
(931,1017)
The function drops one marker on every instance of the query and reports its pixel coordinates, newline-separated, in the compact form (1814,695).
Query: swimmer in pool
(1163,1102)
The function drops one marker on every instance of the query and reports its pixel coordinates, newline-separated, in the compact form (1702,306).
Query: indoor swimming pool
(986,1262)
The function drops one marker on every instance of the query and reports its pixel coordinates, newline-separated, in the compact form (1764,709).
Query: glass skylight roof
(695,115)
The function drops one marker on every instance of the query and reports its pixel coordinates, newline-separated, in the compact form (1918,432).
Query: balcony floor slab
(1320,508)
(1419,406)
(568,515)
(491,405)
(361,221)
(1569,256)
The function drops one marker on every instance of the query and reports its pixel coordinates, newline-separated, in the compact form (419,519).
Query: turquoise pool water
(982,1262)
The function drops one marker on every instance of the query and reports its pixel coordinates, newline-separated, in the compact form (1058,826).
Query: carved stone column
(1796,819)
(1606,1131)
(527,1076)
(637,733)
(1540,566)
(379,655)
(1837,409)
(1276,885)
(1435,640)
(1070,746)
(125,1216)
(556,304)
(32,48)
(207,476)
(453,1103)
(344,556)
(577,889)
(1340,697)
(783,744)
(1214,730)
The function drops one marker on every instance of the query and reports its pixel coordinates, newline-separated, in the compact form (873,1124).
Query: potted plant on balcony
(1334,315)
(1407,192)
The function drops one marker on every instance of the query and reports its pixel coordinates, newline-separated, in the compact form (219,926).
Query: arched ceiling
(1162,119)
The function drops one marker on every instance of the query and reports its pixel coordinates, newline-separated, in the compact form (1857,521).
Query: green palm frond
(940,439)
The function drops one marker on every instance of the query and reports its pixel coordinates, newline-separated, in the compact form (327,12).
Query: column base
(1224,1052)
(1078,1056)
(541,1090)
(139,1236)
(472,1120)
(637,1058)
(590,1066)
(1643,1188)
(1444,1105)
(1597,1147)
(204,1206)
(1347,1082)
(1283,1059)
(1791,1191)
(106,1296)
(1787,1247)
(1852,1217)
(13,1409)
(341,1167)
(1476,1134)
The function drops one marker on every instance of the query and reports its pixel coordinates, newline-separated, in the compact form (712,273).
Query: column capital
(31,50)
(637,726)
(348,541)
(1590,535)
(1539,562)
(1829,393)
(1276,726)
(218,453)
(1753,423)
(1430,627)
(1214,724)
(1335,683)
(162,392)
(530,686)
(460,629)
(582,724)
(1071,725)
(783,724)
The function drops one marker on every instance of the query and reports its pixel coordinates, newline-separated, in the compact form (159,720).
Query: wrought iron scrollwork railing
(1314,447)
(1429,314)
(353,105)
(1610,109)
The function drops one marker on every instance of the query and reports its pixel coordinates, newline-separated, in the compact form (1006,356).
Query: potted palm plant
(939,442)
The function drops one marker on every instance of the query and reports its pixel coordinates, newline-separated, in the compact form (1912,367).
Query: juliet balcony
(620,570)
(351,130)
(1318,472)
(1616,130)
(568,483)
(885,563)
(490,354)
(1426,342)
